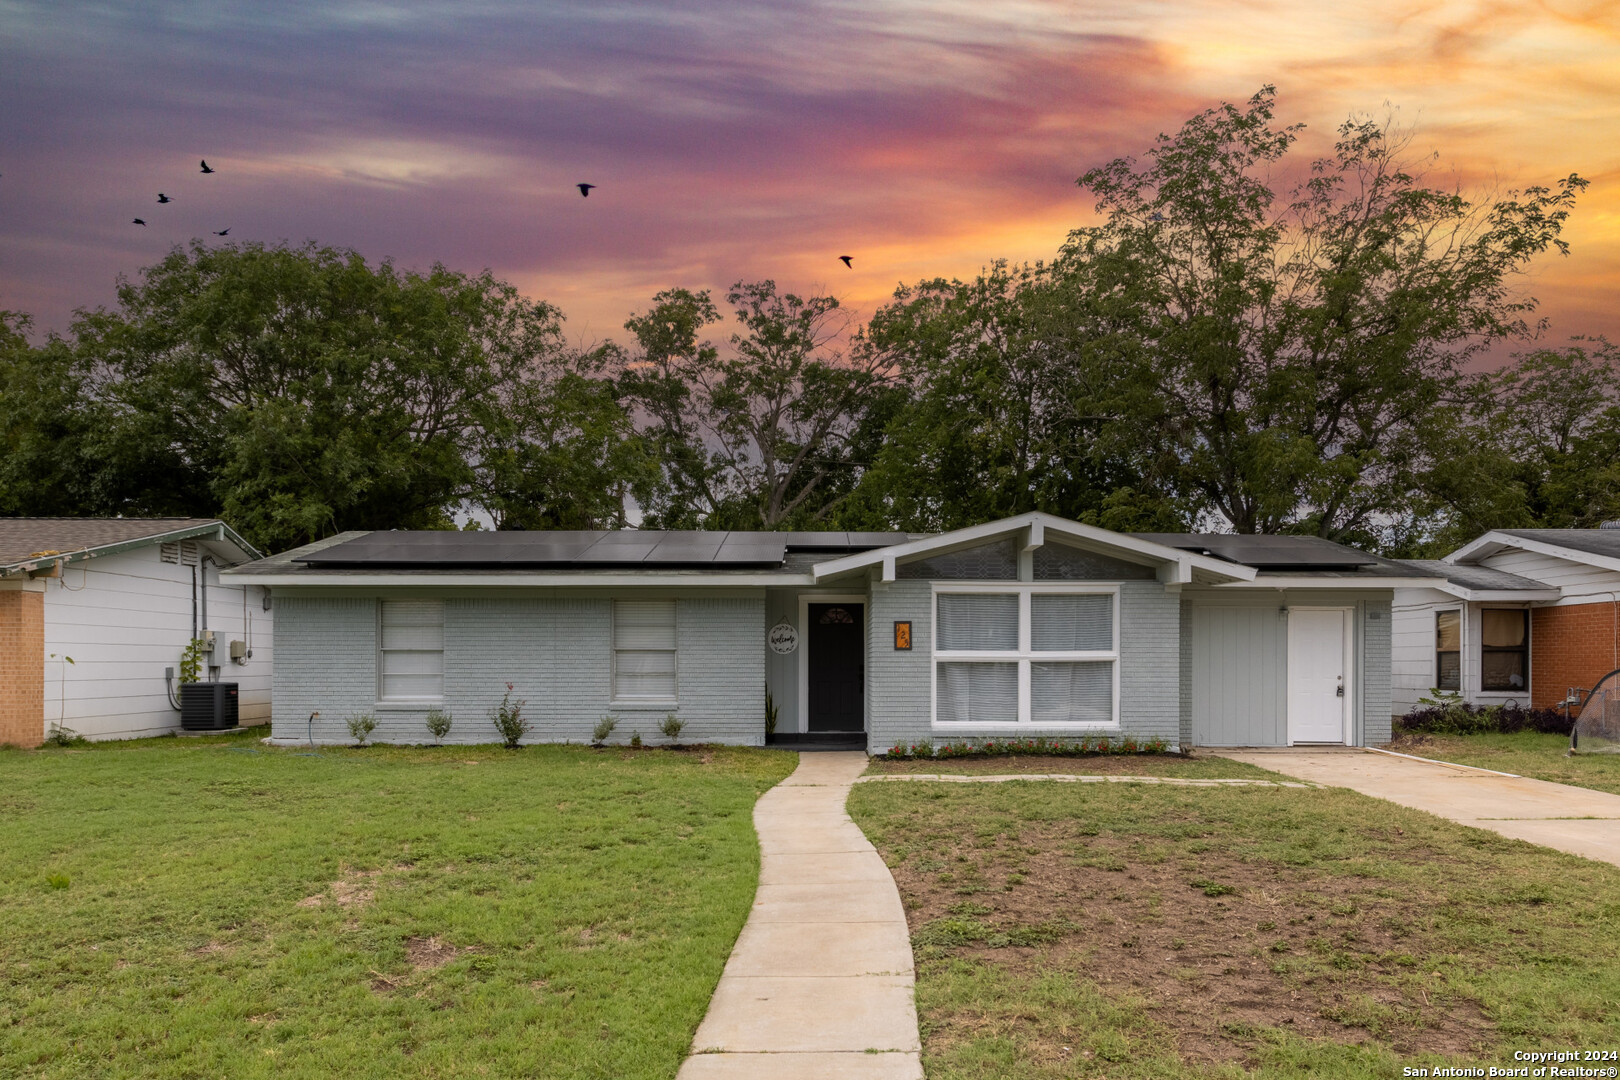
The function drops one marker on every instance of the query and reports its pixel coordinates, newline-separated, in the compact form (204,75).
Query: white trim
(576,579)
(1462,648)
(805,600)
(1529,654)
(1023,656)
(1543,595)
(1351,676)
(1302,582)
(1075,530)
(1493,542)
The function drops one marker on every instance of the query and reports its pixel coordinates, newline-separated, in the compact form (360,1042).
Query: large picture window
(1448,650)
(1040,655)
(411,667)
(1504,645)
(644,651)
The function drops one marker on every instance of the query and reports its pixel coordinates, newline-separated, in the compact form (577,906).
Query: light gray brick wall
(326,661)
(900,687)
(1375,670)
(554,649)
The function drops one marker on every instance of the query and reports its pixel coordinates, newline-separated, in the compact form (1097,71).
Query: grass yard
(1191,767)
(211,907)
(1135,931)
(1526,753)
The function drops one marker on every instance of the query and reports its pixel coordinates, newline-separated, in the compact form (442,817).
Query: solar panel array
(581,549)
(1269,552)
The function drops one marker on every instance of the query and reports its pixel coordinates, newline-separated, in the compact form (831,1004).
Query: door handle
(1338,691)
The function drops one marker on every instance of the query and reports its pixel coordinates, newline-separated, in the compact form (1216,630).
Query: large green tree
(299,391)
(1273,358)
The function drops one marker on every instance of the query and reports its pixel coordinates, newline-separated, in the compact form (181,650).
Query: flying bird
(205,167)
(224,232)
(162,198)
(137,221)
(845,259)
(585,189)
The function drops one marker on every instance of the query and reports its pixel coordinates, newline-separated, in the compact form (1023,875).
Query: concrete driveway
(1577,820)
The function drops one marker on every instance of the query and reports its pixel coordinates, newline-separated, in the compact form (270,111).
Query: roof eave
(575,579)
(1493,542)
(217,531)
(1307,581)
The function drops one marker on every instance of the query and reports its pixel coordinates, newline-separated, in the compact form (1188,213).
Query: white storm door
(1318,682)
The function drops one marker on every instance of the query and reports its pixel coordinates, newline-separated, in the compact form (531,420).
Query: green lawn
(1526,753)
(1134,931)
(213,908)
(1195,767)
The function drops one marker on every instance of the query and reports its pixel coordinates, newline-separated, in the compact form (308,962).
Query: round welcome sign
(783,638)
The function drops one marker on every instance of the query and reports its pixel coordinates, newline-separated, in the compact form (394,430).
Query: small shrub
(361,727)
(771,711)
(1212,888)
(63,736)
(635,740)
(1443,713)
(508,719)
(58,881)
(438,724)
(604,727)
(671,727)
(191,661)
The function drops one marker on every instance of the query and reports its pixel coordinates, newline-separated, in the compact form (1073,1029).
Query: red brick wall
(22,667)
(1570,646)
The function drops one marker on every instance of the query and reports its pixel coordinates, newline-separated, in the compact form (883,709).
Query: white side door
(1318,675)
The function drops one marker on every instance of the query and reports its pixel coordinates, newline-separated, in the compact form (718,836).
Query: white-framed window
(1042,655)
(644,653)
(410,650)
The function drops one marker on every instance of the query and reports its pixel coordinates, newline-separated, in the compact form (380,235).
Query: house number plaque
(783,638)
(902,636)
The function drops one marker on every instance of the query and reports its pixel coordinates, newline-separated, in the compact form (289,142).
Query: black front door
(837,664)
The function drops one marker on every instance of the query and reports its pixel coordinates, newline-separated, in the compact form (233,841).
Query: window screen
(981,622)
(1071,693)
(1504,662)
(978,693)
(1071,623)
(412,665)
(644,650)
(1448,650)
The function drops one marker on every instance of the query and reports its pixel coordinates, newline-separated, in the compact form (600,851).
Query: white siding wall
(1581,583)
(1413,657)
(123,619)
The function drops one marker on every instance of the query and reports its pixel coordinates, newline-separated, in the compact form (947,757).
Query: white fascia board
(1493,542)
(582,581)
(1499,596)
(1045,523)
(215,533)
(1336,583)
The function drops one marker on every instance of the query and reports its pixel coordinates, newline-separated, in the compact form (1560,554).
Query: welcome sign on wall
(783,638)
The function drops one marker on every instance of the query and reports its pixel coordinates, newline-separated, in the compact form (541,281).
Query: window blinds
(412,652)
(644,650)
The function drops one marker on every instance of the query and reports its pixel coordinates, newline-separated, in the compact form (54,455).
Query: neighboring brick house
(1526,615)
(94,615)
(1028,626)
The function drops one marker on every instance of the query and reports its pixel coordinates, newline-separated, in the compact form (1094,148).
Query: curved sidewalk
(820,983)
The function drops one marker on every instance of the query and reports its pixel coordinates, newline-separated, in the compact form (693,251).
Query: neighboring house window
(1448,650)
(1504,643)
(412,664)
(644,650)
(1030,655)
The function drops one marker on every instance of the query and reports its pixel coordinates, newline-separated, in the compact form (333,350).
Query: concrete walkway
(820,984)
(1573,819)
(1075,778)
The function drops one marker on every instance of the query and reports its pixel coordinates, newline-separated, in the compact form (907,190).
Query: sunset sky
(735,140)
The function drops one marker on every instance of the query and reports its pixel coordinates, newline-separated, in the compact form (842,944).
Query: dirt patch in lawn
(356,888)
(427,953)
(1218,948)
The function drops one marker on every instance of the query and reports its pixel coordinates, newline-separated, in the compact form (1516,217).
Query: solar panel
(629,546)
(742,547)
(686,548)
(561,548)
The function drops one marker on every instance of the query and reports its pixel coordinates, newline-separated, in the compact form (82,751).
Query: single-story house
(1523,615)
(95,614)
(1032,625)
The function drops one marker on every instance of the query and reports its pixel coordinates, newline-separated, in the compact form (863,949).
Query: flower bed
(1089,745)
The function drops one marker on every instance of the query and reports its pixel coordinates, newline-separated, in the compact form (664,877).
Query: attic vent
(183,552)
(1610,525)
(169,551)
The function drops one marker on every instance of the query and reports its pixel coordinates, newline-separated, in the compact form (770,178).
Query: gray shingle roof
(1592,541)
(1476,577)
(22,539)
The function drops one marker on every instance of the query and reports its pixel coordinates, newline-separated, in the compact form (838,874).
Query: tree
(986,429)
(1276,364)
(301,391)
(1532,444)
(762,437)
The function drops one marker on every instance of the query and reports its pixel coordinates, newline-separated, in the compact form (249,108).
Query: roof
(1483,583)
(1593,547)
(1268,551)
(28,544)
(582,549)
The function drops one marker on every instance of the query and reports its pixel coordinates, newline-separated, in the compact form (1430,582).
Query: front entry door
(837,667)
(1318,682)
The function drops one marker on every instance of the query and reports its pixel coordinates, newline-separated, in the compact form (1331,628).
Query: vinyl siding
(123,619)
(1579,581)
